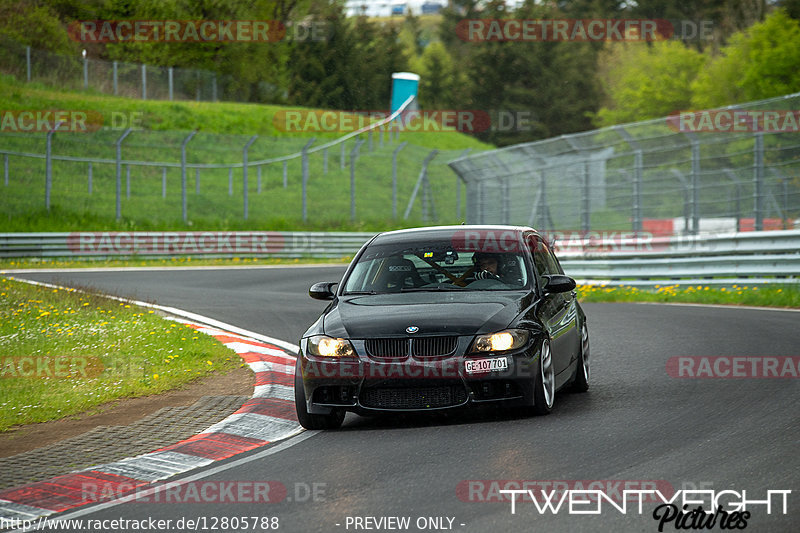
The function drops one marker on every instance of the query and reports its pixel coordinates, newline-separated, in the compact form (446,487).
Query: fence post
(638,164)
(258,178)
(305,176)
(341,156)
(728,172)
(369,139)
(214,88)
(244,172)
(758,180)
(169,78)
(183,175)
(127,181)
(144,81)
(458,184)
(90,177)
(230,181)
(285,173)
(115,77)
(394,177)
(678,174)
(28,61)
(119,171)
(5,168)
(695,183)
(324,161)
(85,71)
(353,156)
(197,180)
(48,183)
(164,182)
(421,181)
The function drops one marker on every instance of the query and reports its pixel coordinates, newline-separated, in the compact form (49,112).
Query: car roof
(445,232)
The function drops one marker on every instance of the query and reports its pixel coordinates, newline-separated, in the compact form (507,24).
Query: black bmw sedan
(439,318)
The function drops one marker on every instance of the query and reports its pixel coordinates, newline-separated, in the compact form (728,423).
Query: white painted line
(243,347)
(256,426)
(266,366)
(154,466)
(17,511)
(720,306)
(274,391)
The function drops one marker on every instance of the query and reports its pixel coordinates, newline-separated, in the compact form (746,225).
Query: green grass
(773,295)
(224,128)
(46,263)
(65,352)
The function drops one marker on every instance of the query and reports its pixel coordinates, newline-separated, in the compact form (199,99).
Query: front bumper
(367,384)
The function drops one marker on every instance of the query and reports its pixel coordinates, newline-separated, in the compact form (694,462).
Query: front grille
(434,346)
(387,347)
(420,347)
(413,398)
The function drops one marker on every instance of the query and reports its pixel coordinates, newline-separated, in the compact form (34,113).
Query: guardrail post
(304,153)
(244,172)
(758,180)
(184,213)
(164,182)
(394,178)
(353,156)
(48,173)
(127,181)
(90,177)
(285,173)
(230,181)
(119,171)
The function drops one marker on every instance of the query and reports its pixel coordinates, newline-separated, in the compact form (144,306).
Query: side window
(543,258)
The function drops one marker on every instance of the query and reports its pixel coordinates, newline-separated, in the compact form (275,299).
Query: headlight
(509,339)
(324,346)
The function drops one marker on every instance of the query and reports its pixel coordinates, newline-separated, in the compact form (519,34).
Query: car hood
(434,313)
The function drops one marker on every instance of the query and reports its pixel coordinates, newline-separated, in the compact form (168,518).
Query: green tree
(643,81)
(761,62)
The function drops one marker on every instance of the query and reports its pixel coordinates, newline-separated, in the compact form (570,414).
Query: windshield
(433,266)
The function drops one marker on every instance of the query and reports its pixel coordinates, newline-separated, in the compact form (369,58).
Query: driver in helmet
(487,265)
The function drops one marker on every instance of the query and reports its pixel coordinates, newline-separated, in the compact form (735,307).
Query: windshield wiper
(436,288)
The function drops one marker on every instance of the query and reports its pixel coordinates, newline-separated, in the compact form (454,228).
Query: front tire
(307,420)
(544,386)
(581,383)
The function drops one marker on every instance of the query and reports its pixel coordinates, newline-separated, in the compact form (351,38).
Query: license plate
(495,364)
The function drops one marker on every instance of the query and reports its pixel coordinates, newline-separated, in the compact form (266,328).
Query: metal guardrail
(754,257)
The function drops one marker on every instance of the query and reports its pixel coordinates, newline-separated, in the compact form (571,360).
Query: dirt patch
(238,382)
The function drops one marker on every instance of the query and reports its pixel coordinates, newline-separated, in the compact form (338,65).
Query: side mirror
(558,283)
(322,290)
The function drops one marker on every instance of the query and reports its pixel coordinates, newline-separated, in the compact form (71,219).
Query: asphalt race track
(636,424)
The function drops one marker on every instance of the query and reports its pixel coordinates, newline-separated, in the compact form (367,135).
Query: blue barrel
(404,84)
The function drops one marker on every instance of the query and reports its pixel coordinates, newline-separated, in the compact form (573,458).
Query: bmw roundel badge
(412,329)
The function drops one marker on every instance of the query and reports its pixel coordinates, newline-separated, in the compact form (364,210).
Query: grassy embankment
(777,295)
(66,352)
(224,128)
